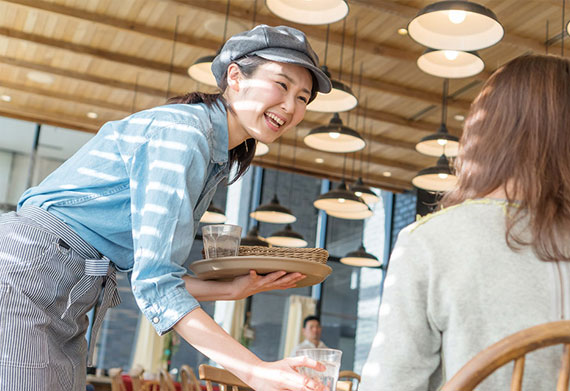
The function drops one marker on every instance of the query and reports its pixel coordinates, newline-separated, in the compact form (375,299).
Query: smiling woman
(129,200)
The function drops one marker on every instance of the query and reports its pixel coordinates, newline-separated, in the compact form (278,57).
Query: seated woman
(495,260)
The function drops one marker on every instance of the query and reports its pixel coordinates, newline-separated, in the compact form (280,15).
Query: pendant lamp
(456,25)
(341,200)
(201,70)
(287,238)
(273,212)
(351,215)
(213,215)
(437,178)
(361,258)
(312,12)
(261,149)
(335,137)
(364,192)
(253,239)
(452,64)
(434,144)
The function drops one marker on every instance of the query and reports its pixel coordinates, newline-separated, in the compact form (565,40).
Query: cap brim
(290,56)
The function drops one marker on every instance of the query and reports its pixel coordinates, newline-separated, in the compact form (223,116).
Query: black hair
(309,318)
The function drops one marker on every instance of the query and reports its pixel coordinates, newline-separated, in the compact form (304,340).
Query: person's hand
(252,283)
(283,376)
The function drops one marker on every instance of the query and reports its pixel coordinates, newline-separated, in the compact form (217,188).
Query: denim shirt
(136,192)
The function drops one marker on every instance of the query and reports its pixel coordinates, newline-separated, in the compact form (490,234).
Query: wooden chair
(151,385)
(188,379)
(515,347)
(137,380)
(225,379)
(166,382)
(116,375)
(348,381)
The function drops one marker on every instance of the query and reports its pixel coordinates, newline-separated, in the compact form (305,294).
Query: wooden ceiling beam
(204,43)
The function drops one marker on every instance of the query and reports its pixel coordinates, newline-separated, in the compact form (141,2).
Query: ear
(234,76)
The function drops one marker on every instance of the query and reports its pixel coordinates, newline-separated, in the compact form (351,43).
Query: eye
(303,99)
(283,85)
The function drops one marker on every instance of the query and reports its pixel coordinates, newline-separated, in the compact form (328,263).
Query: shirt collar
(219,118)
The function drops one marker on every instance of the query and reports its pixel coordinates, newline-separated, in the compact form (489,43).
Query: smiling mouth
(274,120)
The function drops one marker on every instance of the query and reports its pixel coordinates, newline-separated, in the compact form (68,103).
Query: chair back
(515,347)
(166,382)
(116,375)
(136,375)
(151,385)
(225,379)
(348,381)
(188,379)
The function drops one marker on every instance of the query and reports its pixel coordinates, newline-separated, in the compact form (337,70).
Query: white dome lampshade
(361,258)
(456,25)
(273,212)
(213,215)
(261,149)
(364,192)
(335,137)
(253,239)
(311,12)
(339,99)
(434,144)
(437,178)
(451,64)
(340,200)
(361,215)
(201,71)
(287,238)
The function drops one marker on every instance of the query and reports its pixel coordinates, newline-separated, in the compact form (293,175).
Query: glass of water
(330,358)
(221,240)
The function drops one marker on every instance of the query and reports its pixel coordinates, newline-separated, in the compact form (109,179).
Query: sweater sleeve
(405,354)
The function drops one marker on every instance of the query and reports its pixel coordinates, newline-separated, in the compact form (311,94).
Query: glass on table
(331,360)
(221,240)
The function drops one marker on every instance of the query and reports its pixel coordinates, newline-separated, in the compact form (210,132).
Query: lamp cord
(342,49)
(278,161)
(353,52)
(226,21)
(293,166)
(444,101)
(134,104)
(562,40)
(172,57)
(327,44)
(254,13)
(358,114)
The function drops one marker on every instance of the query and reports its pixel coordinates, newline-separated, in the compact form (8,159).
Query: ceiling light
(261,149)
(92,115)
(403,31)
(437,178)
(40,77)
(387,173)
(253,239)
(287,238)
(309,12)
(364,214)
(6,98)
(361,258)
(213,215)
(335,137)
(340,199)
(339,99)
(319,160)
(273,212)
(451,64)
(456,25)
(364,192)
(201,71)
(459,117)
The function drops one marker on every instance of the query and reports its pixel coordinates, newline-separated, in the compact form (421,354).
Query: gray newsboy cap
(281,44)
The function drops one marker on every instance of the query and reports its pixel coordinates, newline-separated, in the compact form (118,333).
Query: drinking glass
(221,240)
(330,358)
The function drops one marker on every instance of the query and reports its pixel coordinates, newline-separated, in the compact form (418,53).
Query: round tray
(229,267)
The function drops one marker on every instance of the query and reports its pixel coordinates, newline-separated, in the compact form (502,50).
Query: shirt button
(155,319)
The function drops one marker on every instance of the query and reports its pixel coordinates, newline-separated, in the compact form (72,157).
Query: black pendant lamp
(364,192)
(456,25)
(261,149)
(273,212)
(201,70)
(253,239)
(341,200)
(452,64)
(335,137)
(339,214)
(434,144)
(287,238)
(213,215)
(340,98)
(437,178)
(361,258)
(312,12)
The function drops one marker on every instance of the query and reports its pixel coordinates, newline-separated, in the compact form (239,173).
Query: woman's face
(272,100)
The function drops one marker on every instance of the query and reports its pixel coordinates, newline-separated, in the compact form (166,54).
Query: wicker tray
(318,255)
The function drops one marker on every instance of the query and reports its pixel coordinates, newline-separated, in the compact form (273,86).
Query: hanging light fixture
(335,137)
(364,192)
(361,258)
(456,25)
(340,98)
(287,238)
(309,12)
(341,200)
(451,64)
(273,212)
(253,239)
(351,215)
(213,215)
(437,178)
(261,149)
(434,144)
(201,70)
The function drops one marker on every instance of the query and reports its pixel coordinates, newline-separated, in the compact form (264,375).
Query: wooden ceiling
(112,57)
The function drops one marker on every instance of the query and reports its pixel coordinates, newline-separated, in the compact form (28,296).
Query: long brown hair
(516,138)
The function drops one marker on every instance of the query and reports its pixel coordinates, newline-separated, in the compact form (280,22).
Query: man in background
(312,332)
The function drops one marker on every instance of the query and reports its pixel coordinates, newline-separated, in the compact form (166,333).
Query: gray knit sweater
(453,288)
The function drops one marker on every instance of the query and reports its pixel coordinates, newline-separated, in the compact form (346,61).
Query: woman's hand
(252,283)
(283,376)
